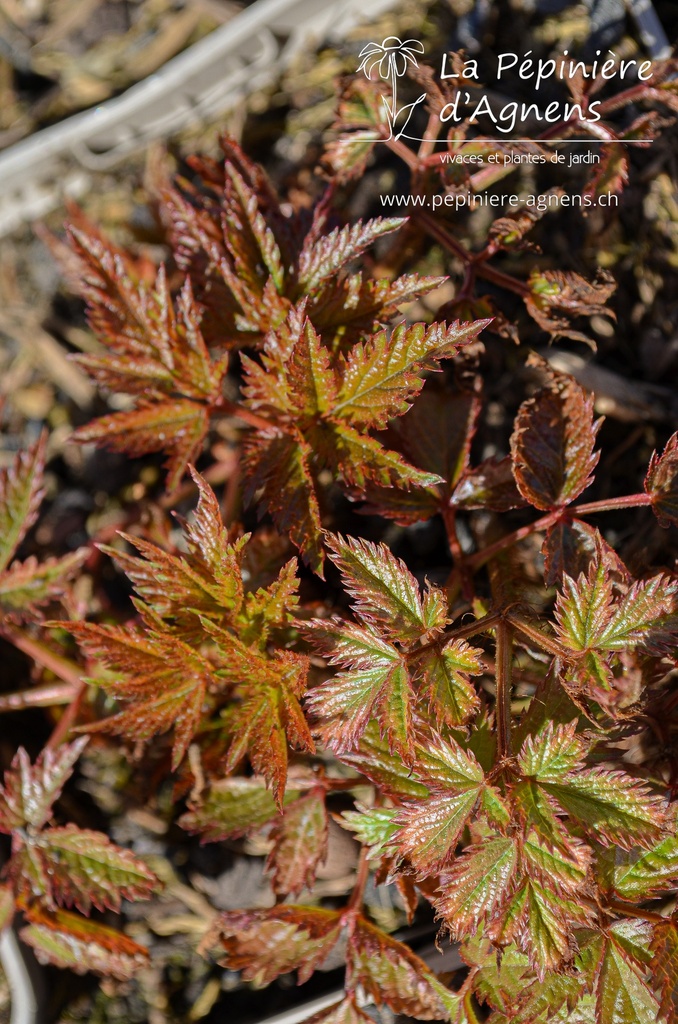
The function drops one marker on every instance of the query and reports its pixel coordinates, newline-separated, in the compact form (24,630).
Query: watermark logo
(389,61)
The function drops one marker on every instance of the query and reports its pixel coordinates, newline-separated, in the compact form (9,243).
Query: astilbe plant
(551,859)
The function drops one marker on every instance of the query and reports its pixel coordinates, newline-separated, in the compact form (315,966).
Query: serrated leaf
(312,385)
(661,483)
(540,926)
(29,791)
(551,753)
(430,830)
(299,844)
(20,496)
(642,610)
(443,677)
(384,591)
(477,884)
(67,940)
(86,869)
(665,965)
(373,827)
(162,680)
(612,806)
(639,875)
(361,459)
(280,466)
(491,485)
(25,586)
(232,807)
(264,944)
(623,996)
(552,444)
(327,255)
(569,548)
(383,376)
(388,771)
(345,704)
(176,427)
(563,866)
(269,718)
(391,973)
(584,608)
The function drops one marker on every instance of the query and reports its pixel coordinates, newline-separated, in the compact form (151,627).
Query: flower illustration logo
(390,59)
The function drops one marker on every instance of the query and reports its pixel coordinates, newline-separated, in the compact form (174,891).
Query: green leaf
(443,677)
(20,496)
(612,806)
(345,704)
(637,875)
(67,940)
(312,384)
(86,869)
(553,752)
(384,591)
(383,376)
(623,996)
(563,866)
(325,256)
(386,770)
(362,460)
(430,830)
(477,885)
(373,827)
(27,585)
(540,926)
(584,608)
(643,609)
(232,807)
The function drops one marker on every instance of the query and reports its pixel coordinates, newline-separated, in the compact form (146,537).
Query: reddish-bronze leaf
(661,483)
(279,465)
(299,844)
(490,485)
(264,944)
(162,681)
(20,496)
(391,973)
(568,549)
(552,444)
(29,791)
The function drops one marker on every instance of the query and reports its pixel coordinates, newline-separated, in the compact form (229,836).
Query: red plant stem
(362,875)
(235,409)
(450,519)
(547,643)
(60,666)
(504,667)
(482,269)
(67,720)
(589,508)
(39,697)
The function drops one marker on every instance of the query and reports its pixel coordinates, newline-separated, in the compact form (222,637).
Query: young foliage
(26,586)
(53,867)
(160,672)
